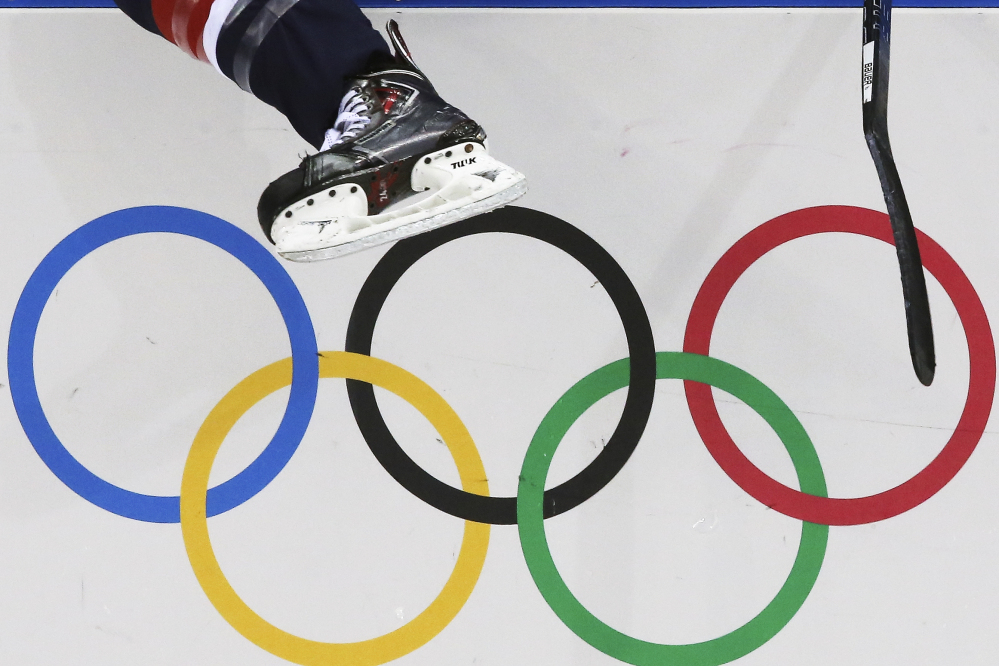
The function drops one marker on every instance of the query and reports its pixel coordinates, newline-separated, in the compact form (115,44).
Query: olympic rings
(981,384)
(24,327)
(731,646)
(641,347)
(194,523)
(532,505)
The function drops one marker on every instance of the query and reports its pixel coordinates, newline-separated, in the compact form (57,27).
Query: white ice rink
(665,136)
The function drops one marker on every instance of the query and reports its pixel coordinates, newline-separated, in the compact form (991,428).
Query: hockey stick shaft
(877,40)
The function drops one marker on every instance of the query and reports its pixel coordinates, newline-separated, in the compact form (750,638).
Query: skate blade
(498,200)
(462,184)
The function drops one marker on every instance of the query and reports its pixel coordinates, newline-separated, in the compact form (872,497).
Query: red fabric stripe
(163,15)
(189,18)
(183,23)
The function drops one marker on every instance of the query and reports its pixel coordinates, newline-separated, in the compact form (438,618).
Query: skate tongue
(399,46)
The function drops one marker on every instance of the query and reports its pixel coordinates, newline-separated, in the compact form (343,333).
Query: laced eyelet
(354,115)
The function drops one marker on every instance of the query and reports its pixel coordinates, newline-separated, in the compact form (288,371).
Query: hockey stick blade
(877,39)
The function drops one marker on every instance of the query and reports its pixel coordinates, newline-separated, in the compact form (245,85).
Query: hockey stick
(877,38)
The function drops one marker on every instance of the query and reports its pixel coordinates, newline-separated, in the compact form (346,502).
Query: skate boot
(398,161)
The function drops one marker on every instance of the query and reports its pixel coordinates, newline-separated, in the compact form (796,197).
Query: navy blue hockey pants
(293,54)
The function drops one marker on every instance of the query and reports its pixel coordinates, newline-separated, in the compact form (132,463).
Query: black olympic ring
(641,351)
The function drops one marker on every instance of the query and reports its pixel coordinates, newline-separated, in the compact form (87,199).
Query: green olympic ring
(534,542)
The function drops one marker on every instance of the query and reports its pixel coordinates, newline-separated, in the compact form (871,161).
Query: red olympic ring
(981,383)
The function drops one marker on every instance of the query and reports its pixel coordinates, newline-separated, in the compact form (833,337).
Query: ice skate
(398,161)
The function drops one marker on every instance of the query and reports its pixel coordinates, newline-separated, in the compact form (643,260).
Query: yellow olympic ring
(194,524)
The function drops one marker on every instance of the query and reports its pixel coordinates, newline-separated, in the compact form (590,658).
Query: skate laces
(351,119)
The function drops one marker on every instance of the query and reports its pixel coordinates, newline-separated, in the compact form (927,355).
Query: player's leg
(397,161)
(140,11)
(384,133)
(295,55)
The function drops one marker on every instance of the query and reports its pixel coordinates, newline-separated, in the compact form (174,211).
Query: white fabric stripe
(254,36)
(223,13)
(259,27)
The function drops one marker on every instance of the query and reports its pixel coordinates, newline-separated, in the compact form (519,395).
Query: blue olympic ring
(225,236)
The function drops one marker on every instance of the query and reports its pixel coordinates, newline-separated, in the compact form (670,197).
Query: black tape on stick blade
(877,40)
